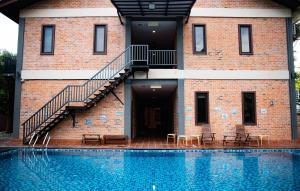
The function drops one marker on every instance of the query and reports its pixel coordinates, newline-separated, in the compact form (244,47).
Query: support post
(180,107)
(289,37)
(179,47)
(17,96)
(128,109)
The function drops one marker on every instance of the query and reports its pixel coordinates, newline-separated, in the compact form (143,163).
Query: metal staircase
(83,96)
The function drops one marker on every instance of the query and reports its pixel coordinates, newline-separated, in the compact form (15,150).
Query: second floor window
(100,39)
(245,39)
(47,46)
(199,39)
(201,107)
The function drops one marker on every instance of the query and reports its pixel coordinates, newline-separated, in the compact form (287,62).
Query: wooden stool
(182,137)
(197,137)
(171,136)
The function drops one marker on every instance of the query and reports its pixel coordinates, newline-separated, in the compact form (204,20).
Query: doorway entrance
(153,110)
(161,38)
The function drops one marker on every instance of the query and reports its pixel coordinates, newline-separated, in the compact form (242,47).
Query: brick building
(198,65)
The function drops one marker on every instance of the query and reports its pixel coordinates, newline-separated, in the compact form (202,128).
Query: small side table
(198,137)
(171,136)
(182,137)
(261,137)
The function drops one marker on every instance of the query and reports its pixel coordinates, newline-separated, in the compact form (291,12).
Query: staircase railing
(81,93)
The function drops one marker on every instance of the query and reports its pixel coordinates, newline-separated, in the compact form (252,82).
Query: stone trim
(195,12)
(162,74)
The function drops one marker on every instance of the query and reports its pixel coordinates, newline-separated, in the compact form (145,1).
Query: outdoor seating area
(105,139)
(240,137)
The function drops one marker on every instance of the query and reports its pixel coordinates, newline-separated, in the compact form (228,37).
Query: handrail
(80,93)
(162,57)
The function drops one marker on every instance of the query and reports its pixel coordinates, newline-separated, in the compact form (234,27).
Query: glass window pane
(199,38)
(202,108)
(245,39)
(100,35)
(48,38)
(249,108)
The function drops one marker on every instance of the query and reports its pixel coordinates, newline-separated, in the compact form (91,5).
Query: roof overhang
(181,8)
(292,4)
(154,8)
(11,8)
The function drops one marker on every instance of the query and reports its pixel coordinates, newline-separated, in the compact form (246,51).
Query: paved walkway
(149,143)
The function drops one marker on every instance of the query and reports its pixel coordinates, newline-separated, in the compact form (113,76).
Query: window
(199,39)
(48,39)
(245,39)
(100,39)
(201,107)
(249,108)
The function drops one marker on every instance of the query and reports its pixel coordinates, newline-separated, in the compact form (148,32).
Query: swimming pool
(71,169)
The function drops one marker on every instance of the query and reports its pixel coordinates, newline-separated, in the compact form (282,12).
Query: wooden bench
(115,139)
(91,137)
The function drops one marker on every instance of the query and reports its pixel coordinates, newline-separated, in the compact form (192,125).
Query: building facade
(212,65)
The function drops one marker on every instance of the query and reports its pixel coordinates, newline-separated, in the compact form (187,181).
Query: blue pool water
(57,169)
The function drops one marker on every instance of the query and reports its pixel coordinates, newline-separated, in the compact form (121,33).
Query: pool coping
(152,148)
(200,150)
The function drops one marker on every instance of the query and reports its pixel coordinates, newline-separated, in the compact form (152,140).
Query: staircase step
(108,87)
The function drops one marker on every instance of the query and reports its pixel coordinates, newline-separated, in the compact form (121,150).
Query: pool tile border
(292,151)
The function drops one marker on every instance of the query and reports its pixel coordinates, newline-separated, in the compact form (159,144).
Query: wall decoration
(117,121)
(88,122)
(217,109)
(234,111)
(188,118)
(103,118)
(189,108)
(119,113)
(224,115)
(263,111)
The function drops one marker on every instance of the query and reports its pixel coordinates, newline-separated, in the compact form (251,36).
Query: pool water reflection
(57,169)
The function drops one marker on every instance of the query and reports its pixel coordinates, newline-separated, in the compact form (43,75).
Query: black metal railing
(81,93)
(162,57)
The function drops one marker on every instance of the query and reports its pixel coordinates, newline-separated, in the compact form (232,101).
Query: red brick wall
(225,97)
(199,3)
(237,4)
(73,43)
(36,93)
(269,44)
(46,4)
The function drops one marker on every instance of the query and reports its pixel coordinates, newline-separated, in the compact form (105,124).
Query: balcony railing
(162,58)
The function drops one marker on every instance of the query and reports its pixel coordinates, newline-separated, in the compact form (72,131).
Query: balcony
(163,59)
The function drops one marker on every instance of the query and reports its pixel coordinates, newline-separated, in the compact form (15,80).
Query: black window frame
(196,108)
(249,26)
(204,51)
(243,108)
(43,38)
(105,39)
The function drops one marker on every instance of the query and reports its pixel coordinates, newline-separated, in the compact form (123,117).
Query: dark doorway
(153,110)
(159,35)
(161,38)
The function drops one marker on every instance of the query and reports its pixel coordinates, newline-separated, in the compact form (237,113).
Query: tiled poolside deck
(149,143)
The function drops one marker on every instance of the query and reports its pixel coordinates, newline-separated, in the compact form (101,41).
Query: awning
(159,8)
(11,8)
